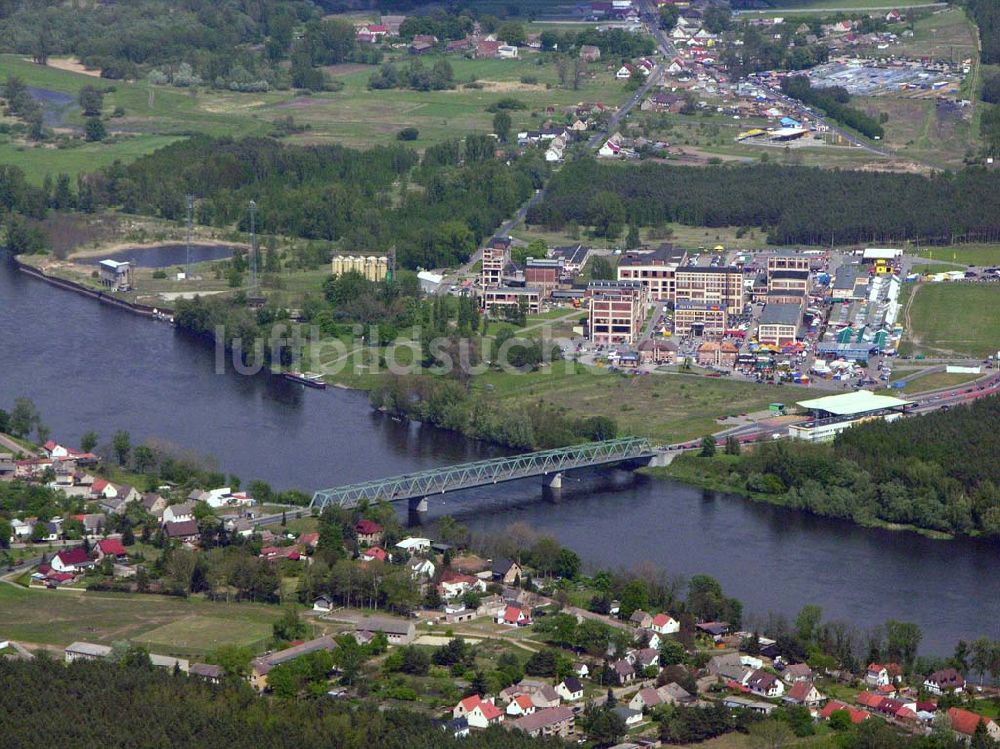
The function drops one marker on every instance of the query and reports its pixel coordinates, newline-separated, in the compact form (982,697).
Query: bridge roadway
(416,487)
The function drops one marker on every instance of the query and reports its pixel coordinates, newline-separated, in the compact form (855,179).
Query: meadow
(962,317)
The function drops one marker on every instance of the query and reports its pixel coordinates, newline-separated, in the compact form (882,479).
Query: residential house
(804,693)
(392,23)
(478,712)
(71,560)
(277,553)
(368,532)
(674,694)
(640,619)
(118,497)
(581,669)
(644,658)
(154,504)
(260,667)
(86,651)
(374,554)
(420,568)
(645,699)
(507,52)
(649,639)
(521,705)
(397,631)
(21,530)
(665,624)
(876,675)
(185,531)
(207,671)
(7,466)
(797,672)
(454,584)
(178,513)
(553,721)
(765,684)
(629,717)
(623,672)
(513,616)
(545,696)
(657,351)
(110,547)
(323,603)
(507,571)
(414,545)
(965,722)
(945,680)
(856,716)
(93,523)
(487,49)
(570,689)
(728,666)
(625,72)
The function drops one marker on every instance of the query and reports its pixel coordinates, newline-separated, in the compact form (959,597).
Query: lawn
(922,130)
(665,408)
(960,318)
(980,255)
(943,35)
(37,162)
(175,625)
(936,381)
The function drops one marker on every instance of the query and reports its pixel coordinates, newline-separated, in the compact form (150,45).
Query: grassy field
(922,130)
(937,380)
(667,408)
(173,625)
(829,5)
(943,35)
(980,255)
(691,237)
(961,318)
(39,161)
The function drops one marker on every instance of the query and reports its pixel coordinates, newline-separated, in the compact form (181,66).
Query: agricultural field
(175,625)
(943,35)
(955,318)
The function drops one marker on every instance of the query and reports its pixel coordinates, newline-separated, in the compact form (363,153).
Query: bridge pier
(418,504)
(552,481)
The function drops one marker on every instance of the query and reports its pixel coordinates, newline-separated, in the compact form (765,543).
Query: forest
(834,101)
(795,205)
(145,709)
(986,14)
(936,472)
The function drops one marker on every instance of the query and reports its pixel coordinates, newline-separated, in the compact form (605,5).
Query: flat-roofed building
(615,311)
(786,260)
(574,257)
(260,667)
(785,297)
(850,282)
(700,318)
(712,285)
(86,651)
(874,254)
(779,324)
(656,270)
(788,280)
(833,414)
(495,299)
(115,275)
(495,262)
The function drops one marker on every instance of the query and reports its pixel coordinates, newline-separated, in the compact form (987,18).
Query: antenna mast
(253,246)
(190,209)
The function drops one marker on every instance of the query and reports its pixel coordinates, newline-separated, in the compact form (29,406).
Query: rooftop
(781,314)
(850,404)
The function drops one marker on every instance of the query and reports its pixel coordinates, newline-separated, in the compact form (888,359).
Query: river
(89,366)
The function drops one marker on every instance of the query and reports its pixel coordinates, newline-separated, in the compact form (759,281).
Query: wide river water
(89,366)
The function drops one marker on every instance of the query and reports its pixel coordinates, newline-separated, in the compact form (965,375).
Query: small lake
(166,255)
(55,105)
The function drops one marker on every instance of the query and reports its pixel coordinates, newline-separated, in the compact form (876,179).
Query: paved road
(9,444)
(806,9)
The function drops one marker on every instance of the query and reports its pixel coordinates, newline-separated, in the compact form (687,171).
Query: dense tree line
(796,205)
(138,707)
(834,102)
(935,472)
(328,192)
(986,14)
(780,48)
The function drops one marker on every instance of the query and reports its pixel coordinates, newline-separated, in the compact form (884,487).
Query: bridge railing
(484,472)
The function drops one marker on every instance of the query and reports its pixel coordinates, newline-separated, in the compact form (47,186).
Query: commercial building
(788,280)
(788,261)
(115,275)
(372,267)
(779,324)
(851,282)
(574,257)
(700,318)
(832,414)
(871,255)
(616,310)
(494,299)
(721,285)
(656,270)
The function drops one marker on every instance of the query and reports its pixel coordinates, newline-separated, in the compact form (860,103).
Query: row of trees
(796,205)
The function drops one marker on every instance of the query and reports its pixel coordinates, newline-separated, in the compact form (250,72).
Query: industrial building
(833,414)
(574,257)
(529,297)
(543,273)
(115,275)
(779,324)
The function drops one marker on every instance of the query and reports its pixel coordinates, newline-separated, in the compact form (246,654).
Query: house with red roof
(521,705)
(833,706)
(71,560)
(964,723)
(374,553)
(513,616)
(454,584)
(309,540)
(869,699)
(480,713)
(368,532)
(665,624)
(945,680)
(876,675)
(804,693)
(277,553)
(110,547)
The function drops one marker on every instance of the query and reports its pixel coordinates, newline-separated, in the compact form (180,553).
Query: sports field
(958,318)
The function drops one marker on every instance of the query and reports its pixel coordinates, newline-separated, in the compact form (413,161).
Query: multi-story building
(788,280)
(779,324)
(495,299)
(543,273)
(719,285)
(495,262)
(616,311)
(372,267)
(788,261)
(656,270)
(574,257)
(115,275)
(700,318)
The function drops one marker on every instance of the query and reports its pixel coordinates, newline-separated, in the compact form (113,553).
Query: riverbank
(690,469)
(144,310)
(116,247)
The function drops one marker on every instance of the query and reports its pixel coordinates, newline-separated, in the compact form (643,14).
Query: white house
(765,684)
(179,513)
(20,530)
(413,544)
(624,72)
(521,705)
(513,616)
(478,712)
(665,624)
(71,560)
(507,52)
(876,675)
(421,568)
(570,689)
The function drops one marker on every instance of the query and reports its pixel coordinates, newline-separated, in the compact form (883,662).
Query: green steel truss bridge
(416,487)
